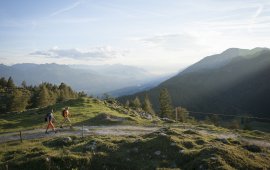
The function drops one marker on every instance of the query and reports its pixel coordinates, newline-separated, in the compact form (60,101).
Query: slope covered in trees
(233,82)
(19,98)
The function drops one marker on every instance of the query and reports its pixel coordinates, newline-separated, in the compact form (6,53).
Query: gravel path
(87,130)
(119,130)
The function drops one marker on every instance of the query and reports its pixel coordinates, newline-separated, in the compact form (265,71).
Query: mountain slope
(240,84)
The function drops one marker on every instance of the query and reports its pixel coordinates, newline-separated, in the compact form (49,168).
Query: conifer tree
(19,100)
(137,102)
(10,83)
(127,103)
(182,114)
(43,97)
(147,105)
(166,109)
(3,82)
(24,84)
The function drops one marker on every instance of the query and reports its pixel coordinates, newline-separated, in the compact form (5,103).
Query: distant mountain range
(141,87)
(94,80)
(237,81)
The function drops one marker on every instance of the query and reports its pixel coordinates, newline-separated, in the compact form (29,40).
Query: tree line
(165,104)
(19,98)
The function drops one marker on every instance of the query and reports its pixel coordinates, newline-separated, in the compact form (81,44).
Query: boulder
(252,148)
(181,151)
(165,119)
(67,140)
(157,153)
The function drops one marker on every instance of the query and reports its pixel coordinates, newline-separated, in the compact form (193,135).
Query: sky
(161,36)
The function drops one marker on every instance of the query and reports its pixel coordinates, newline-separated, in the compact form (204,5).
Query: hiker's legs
(50,124)
(65,120)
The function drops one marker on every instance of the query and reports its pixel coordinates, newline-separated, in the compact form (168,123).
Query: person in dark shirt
(50,119)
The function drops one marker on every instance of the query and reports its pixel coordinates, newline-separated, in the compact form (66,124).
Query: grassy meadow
(84,111)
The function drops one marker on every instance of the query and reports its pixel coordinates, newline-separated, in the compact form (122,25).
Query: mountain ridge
(231,88)
(94,82)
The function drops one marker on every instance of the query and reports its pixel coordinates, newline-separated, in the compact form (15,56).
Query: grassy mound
(84,111)
(167,148)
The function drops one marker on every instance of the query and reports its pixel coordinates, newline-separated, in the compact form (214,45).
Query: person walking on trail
(66,114)
(50,118)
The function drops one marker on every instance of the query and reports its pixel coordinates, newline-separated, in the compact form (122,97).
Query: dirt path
(120,130)
(87,130)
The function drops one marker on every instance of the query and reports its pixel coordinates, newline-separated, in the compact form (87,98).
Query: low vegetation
(84,111)
(169,147)
(175,145)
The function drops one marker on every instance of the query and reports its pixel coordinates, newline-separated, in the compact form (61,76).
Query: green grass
(175,146)
(84,111)
(168,148)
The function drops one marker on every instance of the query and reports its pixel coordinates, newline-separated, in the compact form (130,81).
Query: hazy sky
(159,35)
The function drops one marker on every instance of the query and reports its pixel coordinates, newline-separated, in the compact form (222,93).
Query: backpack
(46,117)
(63,113)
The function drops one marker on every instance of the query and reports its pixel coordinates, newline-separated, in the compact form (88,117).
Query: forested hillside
(19,98)
(238,84)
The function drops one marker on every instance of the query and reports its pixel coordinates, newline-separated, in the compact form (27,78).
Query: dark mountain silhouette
(236,81)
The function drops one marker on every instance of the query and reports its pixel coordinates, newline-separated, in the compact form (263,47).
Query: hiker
(66,115)
(50,118)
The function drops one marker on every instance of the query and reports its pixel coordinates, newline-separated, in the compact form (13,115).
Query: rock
(108,117)
(67,140)
(252,148)
(173,165)
(76,141)
(136,150)
(173,144)
(201,167)
(200,142)
(149,117)
(92,146)
(155,121)
(188,144)
(157,153)
(236,142)
(223,140)
(264,154)
(86,130)
(181,151)
(163,134)
(168,120)
(213,158)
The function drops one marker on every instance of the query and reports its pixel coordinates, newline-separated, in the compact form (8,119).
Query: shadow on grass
(106,119)
(139,154)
